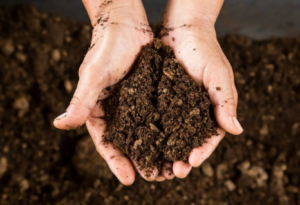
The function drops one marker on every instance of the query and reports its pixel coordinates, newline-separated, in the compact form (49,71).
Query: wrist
(192,12)
(116,10)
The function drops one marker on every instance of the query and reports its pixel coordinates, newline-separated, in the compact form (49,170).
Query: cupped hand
(120,30)
(196,47)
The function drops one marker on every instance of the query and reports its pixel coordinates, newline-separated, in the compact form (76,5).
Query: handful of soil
(158,114)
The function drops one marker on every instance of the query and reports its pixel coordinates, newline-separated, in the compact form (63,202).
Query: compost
(40,55)
(158,114)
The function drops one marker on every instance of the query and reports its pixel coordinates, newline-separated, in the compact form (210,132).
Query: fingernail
(62,116)
(237,124)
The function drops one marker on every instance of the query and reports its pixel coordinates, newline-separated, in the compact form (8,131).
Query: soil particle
(169,170)
(56,55)
(91,47)
(244,166)
(3,166)
(8,48)
(165,31)
(68,86)
(221,171)
(158,114)
(207,169)
(277,179)
(230,185)
(105,3)
(258,174)
(21,103)
(292,189)
(264,130)
(21,57)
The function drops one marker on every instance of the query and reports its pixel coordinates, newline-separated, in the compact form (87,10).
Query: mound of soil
(40,55)
(158,114)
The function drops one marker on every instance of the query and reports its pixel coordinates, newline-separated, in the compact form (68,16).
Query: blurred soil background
(40,55)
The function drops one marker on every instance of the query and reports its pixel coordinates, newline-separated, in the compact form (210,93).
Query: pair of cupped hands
(121,29)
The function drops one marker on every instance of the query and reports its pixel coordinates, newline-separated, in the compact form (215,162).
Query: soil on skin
(158,114)
(40,55)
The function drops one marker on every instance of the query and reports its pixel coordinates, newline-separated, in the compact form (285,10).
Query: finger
(101,68)
(222,92)
(89,87)
(160,178)
(181,169)
(117,162)
(235,94)
(200,154)
(167,171)
(149,174)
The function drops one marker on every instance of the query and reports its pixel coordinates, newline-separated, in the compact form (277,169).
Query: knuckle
(230,101)
(213,143)
(85,68)
(115,157)
(198,161)
(75,101)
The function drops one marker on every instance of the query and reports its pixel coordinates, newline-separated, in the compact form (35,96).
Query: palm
(119,34)
(199,53)
(114,48)
(117,47)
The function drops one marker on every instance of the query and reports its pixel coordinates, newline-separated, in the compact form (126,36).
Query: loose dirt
(40,55)
(158,114)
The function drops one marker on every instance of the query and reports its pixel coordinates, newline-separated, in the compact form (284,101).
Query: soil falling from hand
(158,114)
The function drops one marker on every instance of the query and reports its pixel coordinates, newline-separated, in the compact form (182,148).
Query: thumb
(218,78)
(85,97)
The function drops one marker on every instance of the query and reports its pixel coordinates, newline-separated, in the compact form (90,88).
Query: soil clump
(158,113)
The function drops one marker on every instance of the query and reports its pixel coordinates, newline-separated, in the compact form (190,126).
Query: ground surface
(40,56)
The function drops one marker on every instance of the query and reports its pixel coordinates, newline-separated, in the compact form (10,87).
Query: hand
(120,30)
(191,34)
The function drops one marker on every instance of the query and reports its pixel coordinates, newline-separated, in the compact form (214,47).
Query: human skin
(117,40)
(193,39)
(115,45)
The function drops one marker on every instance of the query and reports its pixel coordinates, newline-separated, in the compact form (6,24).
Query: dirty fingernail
(237,124)
(62,116)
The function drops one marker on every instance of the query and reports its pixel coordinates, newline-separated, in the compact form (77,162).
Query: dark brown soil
(158,114)
(40,56)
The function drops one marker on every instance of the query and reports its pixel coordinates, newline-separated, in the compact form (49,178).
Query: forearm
(192,12)
(96,8)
